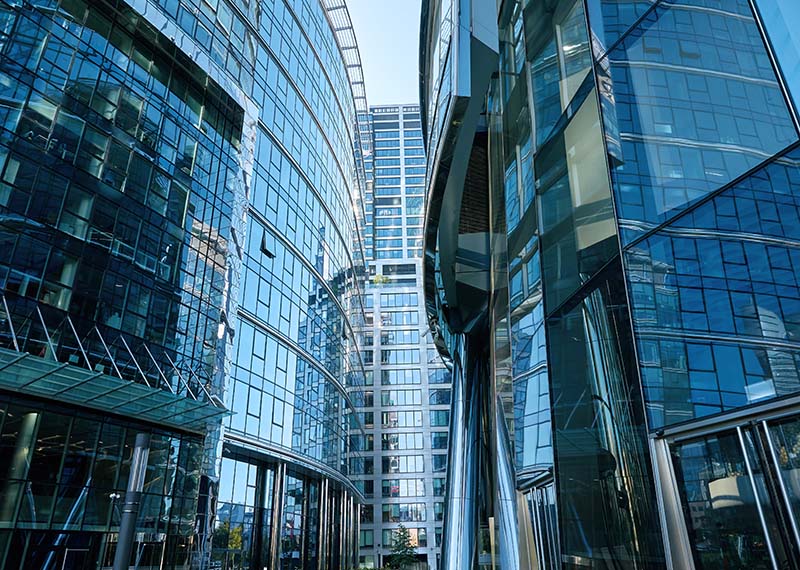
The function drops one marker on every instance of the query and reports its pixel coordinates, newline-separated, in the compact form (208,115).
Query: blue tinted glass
(731,267)
(782,22)
(700,357)
(697,103)
(610,19)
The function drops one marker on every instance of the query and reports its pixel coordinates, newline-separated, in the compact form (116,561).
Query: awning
(31,375)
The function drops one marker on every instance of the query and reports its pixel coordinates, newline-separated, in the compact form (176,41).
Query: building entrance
(740,494)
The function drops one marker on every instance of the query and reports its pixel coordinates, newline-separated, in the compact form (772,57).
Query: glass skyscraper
(181,187)
(611,265)
(406,400)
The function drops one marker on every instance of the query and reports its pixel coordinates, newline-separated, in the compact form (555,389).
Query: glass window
(440,396)
(419,537)
(404,512)
(401,441)
(401,419)
(696,104)
(403,488)
(366,538)
(400,356)
(400,337)
(401,397)
(727,285)
(715,488)
(405,376)
(779,17)
(403,464)
(439,440)
(439,376)
(440,418)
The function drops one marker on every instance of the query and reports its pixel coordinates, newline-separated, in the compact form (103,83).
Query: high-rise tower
(407,399)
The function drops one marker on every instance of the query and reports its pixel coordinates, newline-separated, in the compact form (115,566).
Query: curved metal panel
(460,532)
(505,507)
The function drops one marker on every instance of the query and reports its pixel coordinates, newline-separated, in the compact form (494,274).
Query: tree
(403,552)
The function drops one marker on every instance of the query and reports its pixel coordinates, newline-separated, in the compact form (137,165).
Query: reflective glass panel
(715,299)
(780,18)
(696,104)
(785,438)
(607,510)
(719,505)
(578,229)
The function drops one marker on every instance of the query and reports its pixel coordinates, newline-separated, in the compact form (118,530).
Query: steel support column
(130,509)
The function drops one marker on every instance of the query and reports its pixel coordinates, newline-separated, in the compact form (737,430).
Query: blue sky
(388,39)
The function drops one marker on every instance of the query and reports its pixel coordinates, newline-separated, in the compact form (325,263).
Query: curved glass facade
(181,184)
(644,165)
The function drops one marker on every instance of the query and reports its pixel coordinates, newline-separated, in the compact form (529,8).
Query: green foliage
(226,538)
(403,552)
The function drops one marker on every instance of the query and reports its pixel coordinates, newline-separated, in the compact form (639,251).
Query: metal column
(460,532)
(277,512)
(130,509)
(505,507)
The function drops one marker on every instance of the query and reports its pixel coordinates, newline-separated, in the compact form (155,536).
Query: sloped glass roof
(36,376)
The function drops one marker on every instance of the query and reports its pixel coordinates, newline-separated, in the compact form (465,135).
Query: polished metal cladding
(460,532)
(679,551)
(506,497)
(527,541)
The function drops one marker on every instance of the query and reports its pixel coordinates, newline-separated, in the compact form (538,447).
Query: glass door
(740,494)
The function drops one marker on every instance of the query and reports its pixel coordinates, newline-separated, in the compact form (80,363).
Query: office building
(406,402)
(611,266)
(180,191)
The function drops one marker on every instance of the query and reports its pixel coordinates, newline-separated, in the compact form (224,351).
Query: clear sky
(388,39)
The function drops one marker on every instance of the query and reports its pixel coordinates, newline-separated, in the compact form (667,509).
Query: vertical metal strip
(506,516)
(351,512)
(343,533)
(10,325)
(781,484)
(460,531)
(760,508)
(259,507)
(323,525)
(537,526)
(673,521)
(277,511)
